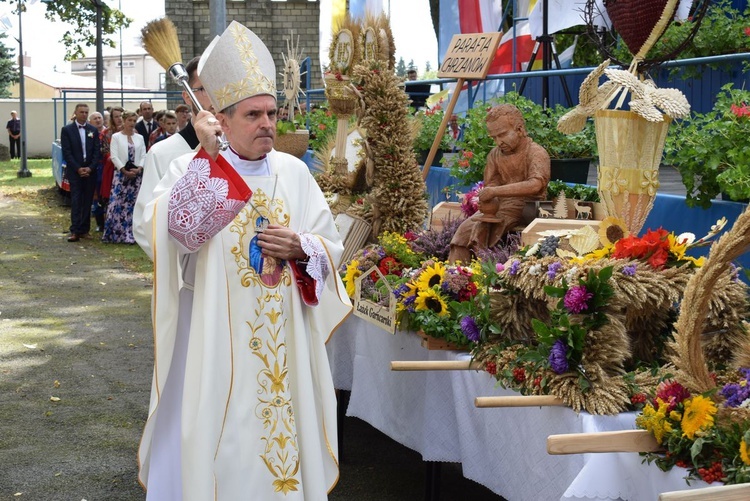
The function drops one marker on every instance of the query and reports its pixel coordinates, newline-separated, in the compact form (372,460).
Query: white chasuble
(257,415)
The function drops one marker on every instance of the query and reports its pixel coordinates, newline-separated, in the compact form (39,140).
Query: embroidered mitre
(235,66)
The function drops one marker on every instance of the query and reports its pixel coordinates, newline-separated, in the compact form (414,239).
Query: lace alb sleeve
(317,260)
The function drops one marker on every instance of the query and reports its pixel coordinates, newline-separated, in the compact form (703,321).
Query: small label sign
(469,56)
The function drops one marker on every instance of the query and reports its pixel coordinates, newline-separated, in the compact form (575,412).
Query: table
(433,413)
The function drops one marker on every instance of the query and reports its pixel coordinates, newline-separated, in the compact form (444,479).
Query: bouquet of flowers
(707,434)
(446,301)
(392,255)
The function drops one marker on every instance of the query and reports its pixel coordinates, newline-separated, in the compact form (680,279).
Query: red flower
(322,126)
(740,111)
(468,292)
(390,266)
(468,154)
(410,236)
(747,31)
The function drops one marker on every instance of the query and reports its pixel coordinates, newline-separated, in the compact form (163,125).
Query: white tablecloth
(433,413)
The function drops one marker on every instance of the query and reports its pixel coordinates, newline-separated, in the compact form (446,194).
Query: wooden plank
(444,211)
(518,401)
(608,441)
(739,492)
(530,234)
(434,365)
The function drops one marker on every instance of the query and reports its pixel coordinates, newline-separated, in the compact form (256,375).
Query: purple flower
(629,270)
(470,329)
(558,357)
(577,298)
(514,266)
(552,269)
(736,393)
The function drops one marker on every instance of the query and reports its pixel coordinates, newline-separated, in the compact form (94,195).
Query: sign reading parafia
(469,56)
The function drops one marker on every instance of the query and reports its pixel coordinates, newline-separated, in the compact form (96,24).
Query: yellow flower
(699,415)
(431,300)
(600,253)
(612,229)
(352,272)
(655,421)
(430,277)
(743,453)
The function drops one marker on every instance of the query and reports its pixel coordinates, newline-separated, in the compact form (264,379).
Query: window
(162,81)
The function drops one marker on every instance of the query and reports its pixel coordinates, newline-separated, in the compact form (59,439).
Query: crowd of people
(105,154)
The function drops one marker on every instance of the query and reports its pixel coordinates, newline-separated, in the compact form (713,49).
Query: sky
(410,23)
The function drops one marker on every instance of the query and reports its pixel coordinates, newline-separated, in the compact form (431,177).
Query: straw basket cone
(295,143)
(630,150)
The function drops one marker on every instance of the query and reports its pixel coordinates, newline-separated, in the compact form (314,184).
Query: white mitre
(235,66)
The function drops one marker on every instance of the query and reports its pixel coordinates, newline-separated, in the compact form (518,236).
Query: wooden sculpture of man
(517,171)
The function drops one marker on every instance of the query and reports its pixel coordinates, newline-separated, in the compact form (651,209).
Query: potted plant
(291,137)
(709,150)
(428,122)
(541,125)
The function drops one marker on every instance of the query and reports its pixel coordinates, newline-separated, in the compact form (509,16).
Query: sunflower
(431,276)
(352,272)
(433,301)
(743,452)
(612,229)
(699,414)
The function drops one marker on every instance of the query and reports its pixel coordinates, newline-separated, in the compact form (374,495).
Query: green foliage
(430,121)
(581,192)
(541,126)
(710,149)
(321,123)
(8,70)
(401,68)
(82,16)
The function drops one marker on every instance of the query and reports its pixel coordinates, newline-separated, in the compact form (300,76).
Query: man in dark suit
(148,125)
(80,148)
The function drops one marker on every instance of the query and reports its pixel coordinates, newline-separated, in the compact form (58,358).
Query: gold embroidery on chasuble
(267,341)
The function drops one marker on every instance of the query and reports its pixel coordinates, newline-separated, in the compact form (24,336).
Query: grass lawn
(39,192)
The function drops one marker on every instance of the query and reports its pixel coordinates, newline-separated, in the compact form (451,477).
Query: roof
(67,81)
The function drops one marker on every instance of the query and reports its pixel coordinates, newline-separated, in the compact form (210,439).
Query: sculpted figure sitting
(517,171)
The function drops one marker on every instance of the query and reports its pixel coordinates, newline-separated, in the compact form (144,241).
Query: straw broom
(159,38)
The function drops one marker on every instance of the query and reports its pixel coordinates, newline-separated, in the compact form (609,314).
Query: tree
(81,14)
(8,68)
(401,67)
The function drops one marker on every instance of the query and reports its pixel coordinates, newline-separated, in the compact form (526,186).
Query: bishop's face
(251,130)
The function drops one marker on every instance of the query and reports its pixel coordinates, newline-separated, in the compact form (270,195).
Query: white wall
(43,125)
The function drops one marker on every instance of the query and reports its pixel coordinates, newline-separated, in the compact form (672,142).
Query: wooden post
(519,401)
(608,441)
(739,492)
(441,130)
(434,365)
(469,56)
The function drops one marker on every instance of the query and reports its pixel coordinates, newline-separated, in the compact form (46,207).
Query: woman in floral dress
(127,152)
(108,170)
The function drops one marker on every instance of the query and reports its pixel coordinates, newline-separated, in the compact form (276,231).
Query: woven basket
(630,151)
(295,143)
(340,97)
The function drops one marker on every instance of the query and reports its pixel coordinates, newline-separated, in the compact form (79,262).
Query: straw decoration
(159,38)
(688,358)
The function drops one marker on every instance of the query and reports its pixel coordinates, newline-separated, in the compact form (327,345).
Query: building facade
(272,20)
(134,69)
